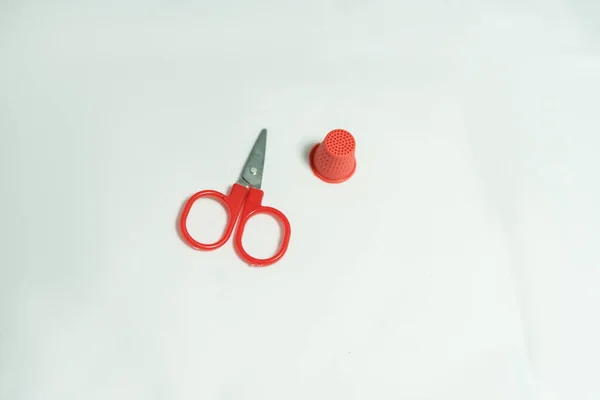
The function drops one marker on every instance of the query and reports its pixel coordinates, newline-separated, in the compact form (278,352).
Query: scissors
(242,203)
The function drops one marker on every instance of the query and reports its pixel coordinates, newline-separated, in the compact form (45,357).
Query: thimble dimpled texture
(334,158)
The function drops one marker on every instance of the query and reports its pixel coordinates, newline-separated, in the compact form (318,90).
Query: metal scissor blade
(253,169)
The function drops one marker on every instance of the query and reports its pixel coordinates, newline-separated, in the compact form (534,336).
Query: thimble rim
(324,179)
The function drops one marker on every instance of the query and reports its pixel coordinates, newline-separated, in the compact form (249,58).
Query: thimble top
(339,143)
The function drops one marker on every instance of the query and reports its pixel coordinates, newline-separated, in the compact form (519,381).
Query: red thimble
(333,159)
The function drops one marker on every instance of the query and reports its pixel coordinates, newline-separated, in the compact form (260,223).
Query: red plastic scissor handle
(253,207)
(233,204)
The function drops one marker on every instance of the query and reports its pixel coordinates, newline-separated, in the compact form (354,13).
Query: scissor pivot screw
(253,170)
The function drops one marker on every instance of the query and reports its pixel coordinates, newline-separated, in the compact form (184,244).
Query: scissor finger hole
(207,220)
(262,236)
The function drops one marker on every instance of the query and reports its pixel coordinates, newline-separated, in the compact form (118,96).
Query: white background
(461,260)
